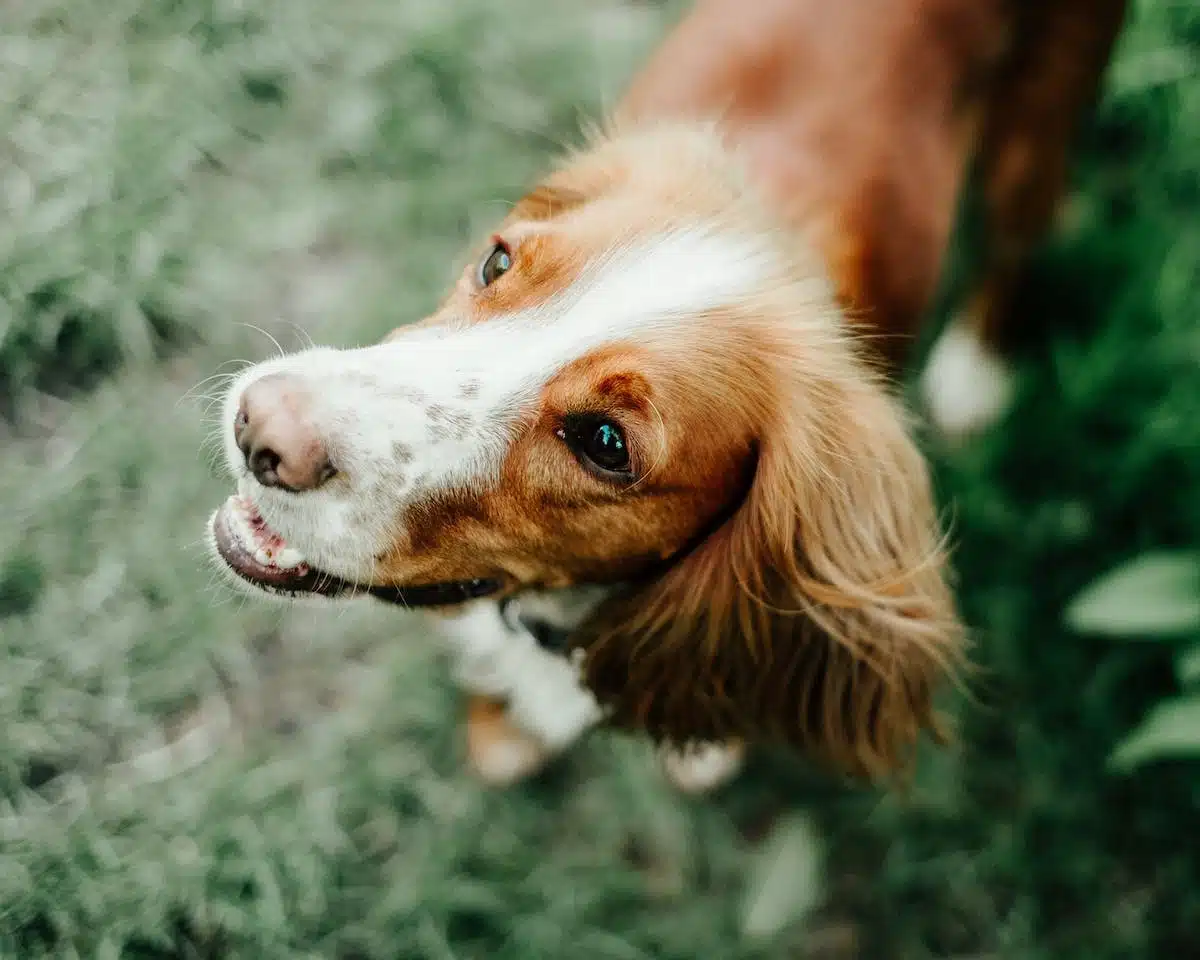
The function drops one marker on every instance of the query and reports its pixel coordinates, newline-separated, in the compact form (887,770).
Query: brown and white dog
(644,460)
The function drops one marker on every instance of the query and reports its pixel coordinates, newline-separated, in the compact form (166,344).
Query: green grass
(188,774)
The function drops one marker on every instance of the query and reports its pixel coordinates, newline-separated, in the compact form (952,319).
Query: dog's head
(638,381)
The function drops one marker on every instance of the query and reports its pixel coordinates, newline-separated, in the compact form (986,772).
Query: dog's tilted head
(638,381)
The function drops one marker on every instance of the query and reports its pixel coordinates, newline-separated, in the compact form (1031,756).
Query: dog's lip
(260,556)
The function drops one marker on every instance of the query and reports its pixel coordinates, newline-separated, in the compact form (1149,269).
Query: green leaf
(1172,729)
(785,879)
(1156,595)
(1187,666)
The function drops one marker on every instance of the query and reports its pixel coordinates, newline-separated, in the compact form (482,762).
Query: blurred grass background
(188,774)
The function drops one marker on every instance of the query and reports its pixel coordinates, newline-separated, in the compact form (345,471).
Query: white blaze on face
(435,408)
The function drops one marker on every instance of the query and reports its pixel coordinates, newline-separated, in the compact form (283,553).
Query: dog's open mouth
(261,557)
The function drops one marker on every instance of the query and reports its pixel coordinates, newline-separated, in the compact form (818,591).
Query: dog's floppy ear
(817,614)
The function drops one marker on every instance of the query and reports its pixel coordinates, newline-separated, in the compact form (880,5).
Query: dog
(645,464)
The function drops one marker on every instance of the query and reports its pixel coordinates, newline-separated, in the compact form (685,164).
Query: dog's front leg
(525,704)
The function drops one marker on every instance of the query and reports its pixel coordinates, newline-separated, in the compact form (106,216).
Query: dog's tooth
(262,557)
(246,533)
(289,558)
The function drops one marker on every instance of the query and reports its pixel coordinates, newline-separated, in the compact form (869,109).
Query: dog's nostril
(275,432)
(264,464)
(240,422)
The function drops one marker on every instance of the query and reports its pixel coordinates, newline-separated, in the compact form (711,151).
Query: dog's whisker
(278,347)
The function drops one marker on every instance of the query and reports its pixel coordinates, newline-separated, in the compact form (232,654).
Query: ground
(187,773)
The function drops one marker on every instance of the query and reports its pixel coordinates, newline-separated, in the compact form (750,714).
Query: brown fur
(862,120)
(817,614)
(549,522)
(1044,87)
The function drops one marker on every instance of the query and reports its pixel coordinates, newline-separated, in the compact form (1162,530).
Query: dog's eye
(599,442)
(495,265)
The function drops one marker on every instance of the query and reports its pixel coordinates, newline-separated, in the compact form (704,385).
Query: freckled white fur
(965,385)
(449,397)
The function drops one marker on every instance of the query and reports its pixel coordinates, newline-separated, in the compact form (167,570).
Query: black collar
(549,637)
(436,594)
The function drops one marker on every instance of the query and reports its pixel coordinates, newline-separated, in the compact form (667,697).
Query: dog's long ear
(818,613)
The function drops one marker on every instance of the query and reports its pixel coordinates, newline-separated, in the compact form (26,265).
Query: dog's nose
(274,430)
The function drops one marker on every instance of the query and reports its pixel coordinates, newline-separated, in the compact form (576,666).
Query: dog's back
(863,119)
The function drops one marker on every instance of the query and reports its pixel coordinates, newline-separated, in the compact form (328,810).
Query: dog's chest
(516,651)
(490,637)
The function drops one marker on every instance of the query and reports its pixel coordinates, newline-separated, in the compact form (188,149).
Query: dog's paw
(966,386)
(703,768)
(498,752)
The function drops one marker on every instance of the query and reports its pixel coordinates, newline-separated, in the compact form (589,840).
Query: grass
(186,774)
